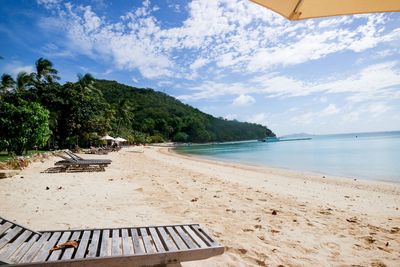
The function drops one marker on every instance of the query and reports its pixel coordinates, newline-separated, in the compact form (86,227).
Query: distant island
(37,111)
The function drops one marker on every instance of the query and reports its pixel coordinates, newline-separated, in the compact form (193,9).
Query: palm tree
(45,70)
(86,84)
(23,81)
(7,82)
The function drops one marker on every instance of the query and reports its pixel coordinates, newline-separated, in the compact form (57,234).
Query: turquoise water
(374,156)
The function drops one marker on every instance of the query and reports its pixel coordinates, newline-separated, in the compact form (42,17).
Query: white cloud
(16,67)
(48,3)
(243,100)
(235,35)
(329,110)
(377,109)
(260,118)
(198,63)
(312,116)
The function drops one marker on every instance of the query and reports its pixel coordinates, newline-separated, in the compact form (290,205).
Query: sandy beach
(263,216)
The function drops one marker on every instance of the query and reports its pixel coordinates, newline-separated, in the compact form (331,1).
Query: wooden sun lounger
(131,246)
(69,162)
(75,157)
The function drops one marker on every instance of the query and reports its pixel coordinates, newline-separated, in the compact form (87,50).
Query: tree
(7,82)
(24,126)
(23,81)
(45,71)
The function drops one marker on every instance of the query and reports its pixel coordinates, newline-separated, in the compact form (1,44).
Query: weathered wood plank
(166,239)
(4,227)
(156,239)
(188,241)
(94,243)
(136,242)
(104,243)
(178,241)
(56,253)
(146,241)
(44,251)
(16,244)
(115,243)
(25,247)
(80,253)
(195,237)
(10,235)
(32,252)
(126,242)
(204,235)
(69,251)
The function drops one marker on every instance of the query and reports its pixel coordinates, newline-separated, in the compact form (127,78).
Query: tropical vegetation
(37,111)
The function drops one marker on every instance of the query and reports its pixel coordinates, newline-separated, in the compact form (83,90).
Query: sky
(229,58)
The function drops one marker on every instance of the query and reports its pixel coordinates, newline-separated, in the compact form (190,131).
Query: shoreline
(263,216)
(313,172)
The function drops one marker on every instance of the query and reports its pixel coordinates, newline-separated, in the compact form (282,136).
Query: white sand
(233,202)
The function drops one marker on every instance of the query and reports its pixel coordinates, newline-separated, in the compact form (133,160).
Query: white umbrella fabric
(305,9)
(107,137)
(120,139)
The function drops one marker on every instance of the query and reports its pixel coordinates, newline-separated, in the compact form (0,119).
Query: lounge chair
(75,157)
(73,162)
(132,246)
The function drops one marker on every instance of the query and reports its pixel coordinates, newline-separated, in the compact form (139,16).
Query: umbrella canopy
(305,9)
(107,137)
(120,139)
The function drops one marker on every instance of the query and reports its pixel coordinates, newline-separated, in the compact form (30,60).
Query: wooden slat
(146,241)
(104,243)
(156,239)
(204,235)
(44,251)
(25,247)
(16,244)
(166,239)
(136,242)
(188,241)
(80,253)
(178,241)
(55,255)
(10,235)
(195,237)
(35,248)
(94,243)
(115,243)
(70,251)
(4,227)
(126,242)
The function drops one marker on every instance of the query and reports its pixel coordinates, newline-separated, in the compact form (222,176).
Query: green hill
(164,118)
(37,111)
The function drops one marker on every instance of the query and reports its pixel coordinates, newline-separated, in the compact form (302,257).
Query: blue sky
(229,58)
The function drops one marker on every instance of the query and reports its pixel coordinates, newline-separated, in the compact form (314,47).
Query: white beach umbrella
(120,139)
(107,137)
(305,9)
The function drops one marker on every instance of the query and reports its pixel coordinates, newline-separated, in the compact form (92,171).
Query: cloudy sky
(229,58)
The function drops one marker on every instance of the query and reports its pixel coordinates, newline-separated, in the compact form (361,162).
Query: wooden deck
(133,246)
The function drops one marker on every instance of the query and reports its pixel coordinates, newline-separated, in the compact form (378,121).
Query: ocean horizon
(369,156)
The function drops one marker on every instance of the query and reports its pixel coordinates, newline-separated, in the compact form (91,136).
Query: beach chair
(128,246)
(75,157)
(80,163)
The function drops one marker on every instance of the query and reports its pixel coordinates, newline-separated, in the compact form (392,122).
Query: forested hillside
(37,111)
(165,118)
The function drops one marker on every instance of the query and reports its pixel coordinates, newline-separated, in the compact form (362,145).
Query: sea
(373,156)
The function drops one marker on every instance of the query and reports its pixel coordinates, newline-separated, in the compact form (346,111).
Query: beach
(262,216)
